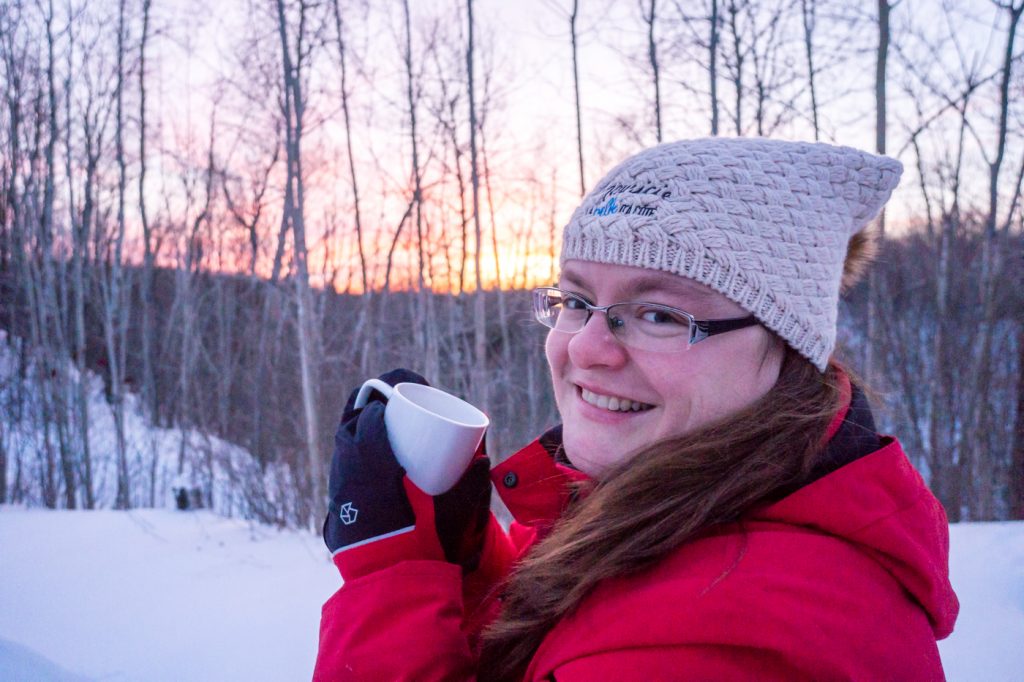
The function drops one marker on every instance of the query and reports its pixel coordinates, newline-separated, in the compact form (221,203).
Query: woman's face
(679,391)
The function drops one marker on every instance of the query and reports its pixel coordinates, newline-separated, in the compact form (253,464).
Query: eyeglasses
(643,326)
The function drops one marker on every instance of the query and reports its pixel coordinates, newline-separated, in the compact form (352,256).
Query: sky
(199,50)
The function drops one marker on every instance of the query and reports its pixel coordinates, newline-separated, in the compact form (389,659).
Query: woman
(715,505)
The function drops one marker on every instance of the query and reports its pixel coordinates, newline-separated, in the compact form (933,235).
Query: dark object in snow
(188,498)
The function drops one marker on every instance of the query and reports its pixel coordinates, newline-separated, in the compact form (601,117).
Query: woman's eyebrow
(574,279)
(644,285)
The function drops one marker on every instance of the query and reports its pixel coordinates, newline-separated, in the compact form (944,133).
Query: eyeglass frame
(699,329)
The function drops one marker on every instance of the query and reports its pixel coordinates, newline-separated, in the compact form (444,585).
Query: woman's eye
(661,317)
(574,303)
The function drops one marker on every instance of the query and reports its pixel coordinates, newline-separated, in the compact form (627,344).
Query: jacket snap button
(510,480)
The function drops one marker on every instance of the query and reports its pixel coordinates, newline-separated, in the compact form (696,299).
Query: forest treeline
(243,380)
(355,187)
(243,383)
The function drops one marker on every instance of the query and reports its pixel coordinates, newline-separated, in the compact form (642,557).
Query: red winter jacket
(845,578)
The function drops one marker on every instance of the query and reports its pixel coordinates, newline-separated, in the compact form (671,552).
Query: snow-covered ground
(167,595)
(986,568)
(158,459)
(157,595)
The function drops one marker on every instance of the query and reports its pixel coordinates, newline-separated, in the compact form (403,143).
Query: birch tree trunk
(649,17)
(494,443)
(807,12)
(713,65)
(363,323)
(294,109)
(82,223)
(54,284)
(980,419)
(480,383)
(114,289)
(871,369)
(422,302)
(1017,452)
(951,460)
(576,88)
(149,395)
(737,76)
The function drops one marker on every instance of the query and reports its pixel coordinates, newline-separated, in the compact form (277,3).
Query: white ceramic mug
(432,433)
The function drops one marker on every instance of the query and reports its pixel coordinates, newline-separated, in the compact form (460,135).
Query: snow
(986,568)
(157,595)
(230,479)
(167,595)
(21,663)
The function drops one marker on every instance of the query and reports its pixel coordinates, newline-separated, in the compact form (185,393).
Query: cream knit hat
(764,222)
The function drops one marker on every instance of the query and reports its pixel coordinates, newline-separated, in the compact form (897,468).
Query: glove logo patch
(348,514)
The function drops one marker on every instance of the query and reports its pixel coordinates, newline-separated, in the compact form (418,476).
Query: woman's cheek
(557,357)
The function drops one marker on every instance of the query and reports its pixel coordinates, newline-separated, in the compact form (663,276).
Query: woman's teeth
(612,403)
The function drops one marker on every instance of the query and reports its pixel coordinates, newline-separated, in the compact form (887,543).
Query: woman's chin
(592,456)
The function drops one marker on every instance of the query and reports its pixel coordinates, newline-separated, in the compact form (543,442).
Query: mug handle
(369,385)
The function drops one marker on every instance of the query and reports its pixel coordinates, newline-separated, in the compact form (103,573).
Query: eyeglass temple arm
(702,329)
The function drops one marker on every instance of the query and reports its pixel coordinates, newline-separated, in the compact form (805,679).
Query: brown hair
(660,498)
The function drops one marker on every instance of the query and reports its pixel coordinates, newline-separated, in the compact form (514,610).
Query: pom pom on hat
(860,254)
(775,226)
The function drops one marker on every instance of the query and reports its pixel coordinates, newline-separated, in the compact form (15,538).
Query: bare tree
(480,383)
(990,259)
(700,27)
(874,283)
(293,217)
(1016,472)
(649,14)
(758,65)
(149,394)
(93,121)
(494,442)
(114,286)
(713,36)
(423,324)
(573,15)
(808,9)
(447,116)
(735,66)
(357,214)
(966,462)
(53,285)
(367,290)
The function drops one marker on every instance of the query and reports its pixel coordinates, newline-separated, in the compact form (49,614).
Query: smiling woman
(716,503)
(597,367)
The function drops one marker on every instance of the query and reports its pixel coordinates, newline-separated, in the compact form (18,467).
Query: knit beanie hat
(767,223)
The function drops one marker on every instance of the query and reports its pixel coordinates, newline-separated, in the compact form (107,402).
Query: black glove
(374,507)
(367,497)
(461,514)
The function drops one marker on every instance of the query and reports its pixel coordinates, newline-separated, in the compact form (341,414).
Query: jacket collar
(536,484)
(863,490)
(533,485)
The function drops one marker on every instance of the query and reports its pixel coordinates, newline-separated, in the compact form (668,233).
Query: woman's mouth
(611,402)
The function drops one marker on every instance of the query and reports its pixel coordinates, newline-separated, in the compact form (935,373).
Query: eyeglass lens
(641,325)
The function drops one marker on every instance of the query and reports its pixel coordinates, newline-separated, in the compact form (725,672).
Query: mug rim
(482,422)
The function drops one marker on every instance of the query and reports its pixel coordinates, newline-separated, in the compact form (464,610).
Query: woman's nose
(595,345)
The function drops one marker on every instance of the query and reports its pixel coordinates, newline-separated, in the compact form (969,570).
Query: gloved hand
(378,517)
